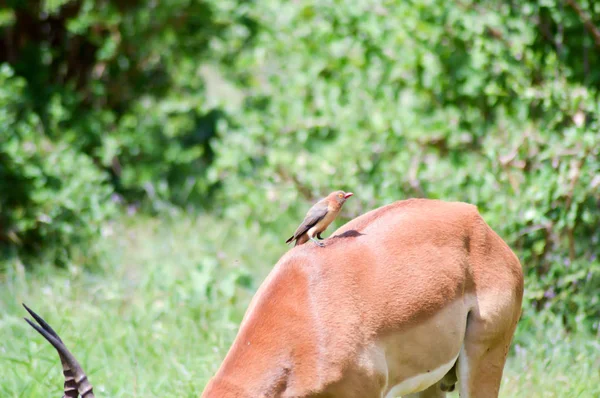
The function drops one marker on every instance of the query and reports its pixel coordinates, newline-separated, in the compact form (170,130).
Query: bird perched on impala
(319,217)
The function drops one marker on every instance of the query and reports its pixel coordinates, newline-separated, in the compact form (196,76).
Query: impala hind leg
(483,356)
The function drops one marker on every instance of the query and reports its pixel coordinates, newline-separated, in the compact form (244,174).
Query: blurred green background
(155,155)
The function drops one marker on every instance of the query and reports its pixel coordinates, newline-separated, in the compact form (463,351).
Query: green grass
(157,321)
(546,361)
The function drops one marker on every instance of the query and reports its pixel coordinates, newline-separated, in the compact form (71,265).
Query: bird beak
(346,196)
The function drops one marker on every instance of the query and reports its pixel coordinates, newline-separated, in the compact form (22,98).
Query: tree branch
(587,21)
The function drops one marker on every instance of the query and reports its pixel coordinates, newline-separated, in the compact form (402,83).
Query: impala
(407,299)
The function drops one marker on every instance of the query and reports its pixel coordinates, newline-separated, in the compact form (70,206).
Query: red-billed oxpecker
(319,217)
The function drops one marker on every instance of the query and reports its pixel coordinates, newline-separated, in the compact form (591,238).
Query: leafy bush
(105,89)
(480,102)
(494,103)
(54,199)
(130,78)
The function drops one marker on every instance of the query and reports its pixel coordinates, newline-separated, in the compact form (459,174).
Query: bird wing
(314,215)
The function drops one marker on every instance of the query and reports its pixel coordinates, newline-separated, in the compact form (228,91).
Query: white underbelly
(420,382)
(416,358)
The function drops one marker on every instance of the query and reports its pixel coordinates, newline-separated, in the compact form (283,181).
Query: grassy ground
(159,319)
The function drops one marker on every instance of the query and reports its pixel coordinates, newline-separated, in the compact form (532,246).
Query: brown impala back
(312,322)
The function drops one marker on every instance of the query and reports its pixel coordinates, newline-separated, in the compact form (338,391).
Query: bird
(319,217)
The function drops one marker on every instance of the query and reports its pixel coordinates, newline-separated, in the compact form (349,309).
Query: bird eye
(341,195)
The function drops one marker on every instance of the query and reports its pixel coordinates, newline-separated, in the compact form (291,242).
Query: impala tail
(76,382)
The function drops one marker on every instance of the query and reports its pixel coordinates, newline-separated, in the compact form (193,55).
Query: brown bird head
(339,197)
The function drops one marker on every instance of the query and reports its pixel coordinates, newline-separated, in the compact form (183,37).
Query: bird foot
(320,244)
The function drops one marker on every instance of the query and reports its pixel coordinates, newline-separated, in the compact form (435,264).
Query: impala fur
(406,300)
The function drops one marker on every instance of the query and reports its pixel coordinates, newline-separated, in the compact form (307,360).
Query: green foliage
(493,104)
(129,76)
(239,106)
(102,89)
(53,199)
